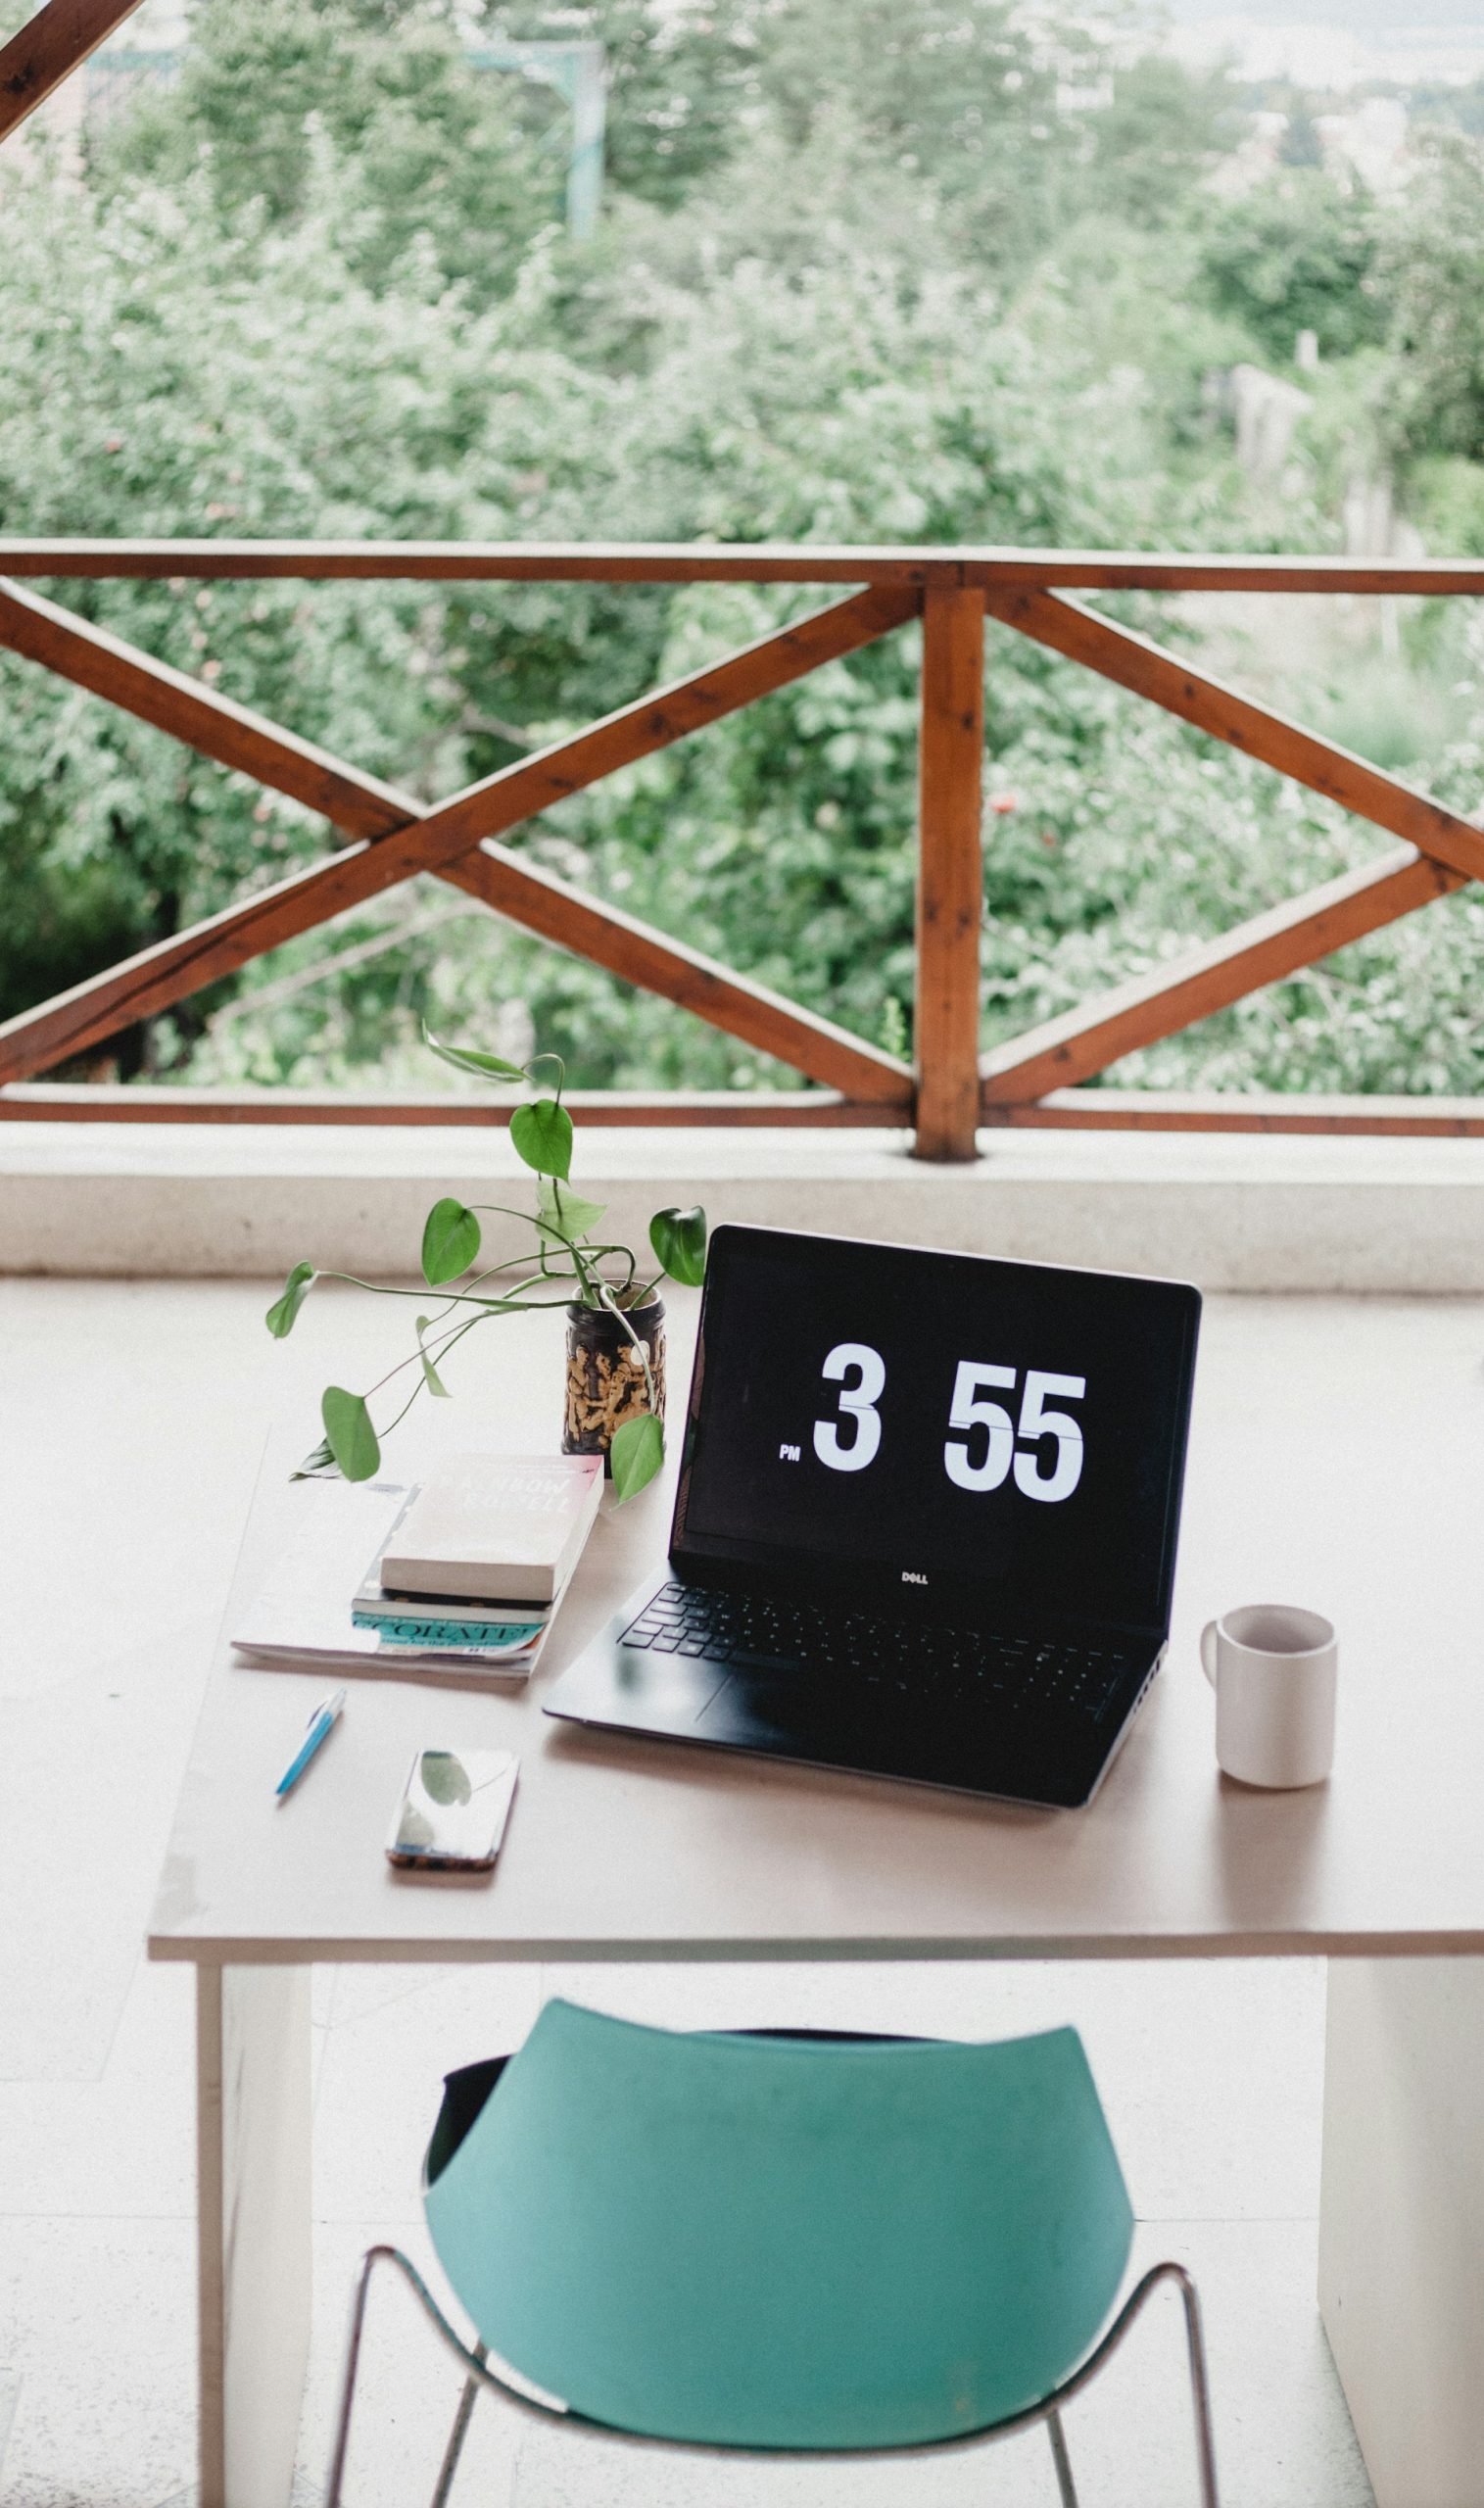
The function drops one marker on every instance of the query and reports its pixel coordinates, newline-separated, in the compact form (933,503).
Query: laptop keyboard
(911,1660)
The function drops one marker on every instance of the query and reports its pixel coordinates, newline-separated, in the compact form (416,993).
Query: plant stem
(507,1213)
(511,1305)
(578,1264)
(608,1299)
(466,1322)
(402,1413)
(443,1345)
(512,1264)
(549,1055)
(450,1297)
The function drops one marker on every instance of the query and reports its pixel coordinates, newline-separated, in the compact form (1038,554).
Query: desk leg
(1402,2222)
(254,2116)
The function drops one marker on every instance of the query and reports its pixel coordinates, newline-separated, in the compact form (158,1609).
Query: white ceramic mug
(1273,1673)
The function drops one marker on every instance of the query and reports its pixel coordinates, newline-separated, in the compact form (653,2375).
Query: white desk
(1359,1495)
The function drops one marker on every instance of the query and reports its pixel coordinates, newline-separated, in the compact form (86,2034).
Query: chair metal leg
(1200,2393)
(1066,2487)
(474,2359)
(548,2409)
(332,2496)
(456,2436)
(1098,2359)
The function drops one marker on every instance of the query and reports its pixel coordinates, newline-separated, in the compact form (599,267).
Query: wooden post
(949,874)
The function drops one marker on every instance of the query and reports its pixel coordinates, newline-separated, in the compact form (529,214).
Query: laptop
(925,1520)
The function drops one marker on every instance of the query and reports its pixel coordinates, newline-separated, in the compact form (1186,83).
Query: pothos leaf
(636,1452)
(565,1212)
(679,1239)
(542,1134)
(314,1466)
(349,1432)
(282,1314)
(467,1058)
(430,1375)
(449,1241)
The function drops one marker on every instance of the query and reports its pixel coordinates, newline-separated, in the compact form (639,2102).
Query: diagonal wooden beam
(764,1020)
(435,840)
(1081,1042)
(52,44)
(1135,663)
(190,711)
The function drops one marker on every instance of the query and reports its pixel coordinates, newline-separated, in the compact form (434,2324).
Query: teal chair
(786,2245)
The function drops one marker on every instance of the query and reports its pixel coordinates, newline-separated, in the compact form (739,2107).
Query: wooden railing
(390,836)
(48,48)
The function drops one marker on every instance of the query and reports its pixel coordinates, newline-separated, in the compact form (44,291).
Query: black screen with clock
(944,1430)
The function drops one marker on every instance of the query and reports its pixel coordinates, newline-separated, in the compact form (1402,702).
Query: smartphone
(453,1811)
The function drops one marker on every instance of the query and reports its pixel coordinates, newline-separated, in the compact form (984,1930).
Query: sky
(1337,42)
(1319,43)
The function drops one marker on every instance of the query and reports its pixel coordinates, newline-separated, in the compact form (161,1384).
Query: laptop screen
(884,1423)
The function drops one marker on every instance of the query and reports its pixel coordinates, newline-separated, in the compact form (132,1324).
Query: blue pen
(321,1725)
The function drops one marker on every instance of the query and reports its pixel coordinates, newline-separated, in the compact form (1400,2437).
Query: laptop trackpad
(804,1720)
(791,1712)
(667,1689)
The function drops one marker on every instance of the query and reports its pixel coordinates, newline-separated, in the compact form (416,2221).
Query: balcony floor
(136,1413)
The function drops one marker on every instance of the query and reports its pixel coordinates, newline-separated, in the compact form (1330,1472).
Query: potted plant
(615,1316)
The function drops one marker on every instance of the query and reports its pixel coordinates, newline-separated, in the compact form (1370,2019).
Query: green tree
(1301,144)
(876,273)
(963,96)
(1433,267)
(681,81)
(1462,104)
(1299,255)
(277,99)
(1162,130)
(246,384)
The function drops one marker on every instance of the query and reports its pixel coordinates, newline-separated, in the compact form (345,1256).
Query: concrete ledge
(1254,1212)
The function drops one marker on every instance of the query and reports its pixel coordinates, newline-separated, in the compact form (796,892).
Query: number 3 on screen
(857,1402)
(971,1411)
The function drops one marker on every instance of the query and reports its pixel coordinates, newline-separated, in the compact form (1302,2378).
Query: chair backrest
(781,2242)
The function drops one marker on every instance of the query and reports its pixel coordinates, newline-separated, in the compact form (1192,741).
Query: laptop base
(1027,1751)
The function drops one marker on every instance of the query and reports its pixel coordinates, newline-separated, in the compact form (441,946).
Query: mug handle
(1207,1651)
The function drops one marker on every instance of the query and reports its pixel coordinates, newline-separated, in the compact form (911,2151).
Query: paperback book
(490,1527)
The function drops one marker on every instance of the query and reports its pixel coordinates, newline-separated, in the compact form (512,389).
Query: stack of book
(459,1574)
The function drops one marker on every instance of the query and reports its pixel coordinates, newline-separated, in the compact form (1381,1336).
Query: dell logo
(910,1576)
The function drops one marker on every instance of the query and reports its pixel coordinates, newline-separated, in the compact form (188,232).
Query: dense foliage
(921,271)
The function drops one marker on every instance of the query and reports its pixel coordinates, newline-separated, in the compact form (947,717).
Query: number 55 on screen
(1012,1445)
